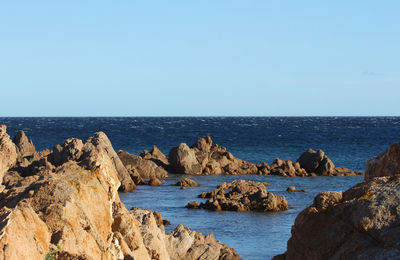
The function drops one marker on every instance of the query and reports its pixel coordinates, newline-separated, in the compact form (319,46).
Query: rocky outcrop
(156,156)
(205,158)
(385,164)
(184,243)
(144,167)
(361,223)
(24,146)
(317,163)
(286,168)
(8,152)
(183,160)
(70,209)
(241,195)
(186,182)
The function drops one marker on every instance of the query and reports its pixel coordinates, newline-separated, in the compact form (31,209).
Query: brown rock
(24,146)
(8,152)
(183,160)
(293,189)
(310,160)
(155,182)
(156,156)
(385,164)
(361,223)
(192,205)
(145,168)
(241,195)
(184,243)
(186,182)
(100,146)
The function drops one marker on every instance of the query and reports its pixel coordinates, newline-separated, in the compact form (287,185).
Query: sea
(348,141)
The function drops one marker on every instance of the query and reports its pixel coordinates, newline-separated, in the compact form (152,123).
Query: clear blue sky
(199,58)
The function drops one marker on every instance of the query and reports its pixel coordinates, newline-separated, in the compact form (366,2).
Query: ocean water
(348,141)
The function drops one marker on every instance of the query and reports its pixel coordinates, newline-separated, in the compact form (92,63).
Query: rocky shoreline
(65,204)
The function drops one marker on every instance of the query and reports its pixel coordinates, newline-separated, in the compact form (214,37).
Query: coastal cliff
(64,204)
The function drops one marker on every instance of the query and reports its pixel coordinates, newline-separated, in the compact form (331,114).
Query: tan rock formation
(182,159)
(156,156)
(385,164)
(240,195)
(184,243)
(361,223)
(71,210)
(144,167)
(24,146)
(8,152)
(186,182)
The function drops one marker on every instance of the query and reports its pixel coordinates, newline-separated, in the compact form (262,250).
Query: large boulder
(241,195)
(361,223)
(8,152)
(145,168)
(310,160)
(183,160)
(24,146)
(317,163)
(385,164)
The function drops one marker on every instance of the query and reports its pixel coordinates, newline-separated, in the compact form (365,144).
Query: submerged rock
(240,195)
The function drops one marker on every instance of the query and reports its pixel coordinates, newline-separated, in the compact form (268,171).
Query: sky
(200,58)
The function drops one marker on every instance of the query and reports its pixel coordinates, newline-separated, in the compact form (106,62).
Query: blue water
(348,141)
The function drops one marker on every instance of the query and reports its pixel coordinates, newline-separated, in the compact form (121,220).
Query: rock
(153,236)
(183,160)
(317,163)
(293,189)
(361,223)
(286,168)
(205,158)
(240,195)
(156,156)
(145,168)
(192,205)
(186,182)
(385,164)
(100,145)
(24,146)
(184,243)
(8,152)
(72,210)
(310,160)
(155,182)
